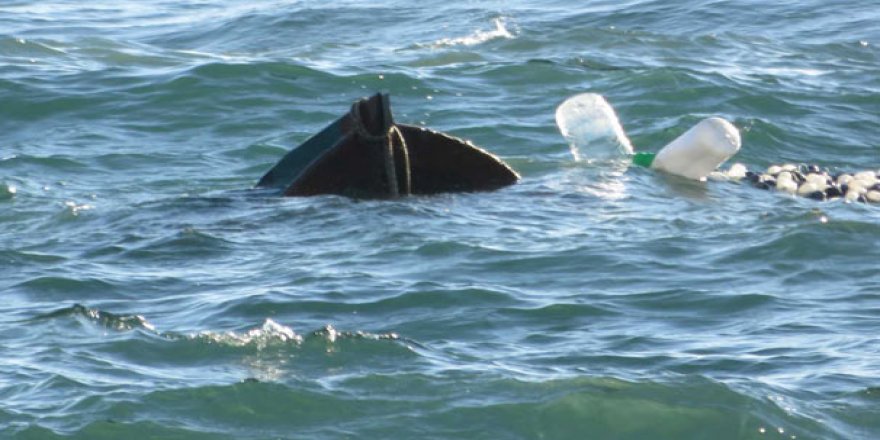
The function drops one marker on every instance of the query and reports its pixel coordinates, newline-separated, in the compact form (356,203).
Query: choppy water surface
(147,293)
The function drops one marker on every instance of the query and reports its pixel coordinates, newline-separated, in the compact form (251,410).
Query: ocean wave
(801,242)
(269,334)
(48,165)
(186,243)
(100,318)
(7,191)
(479,36)
(29,258)
(56,286)
(700,303)
(272,334)
(16,47)
(453,407)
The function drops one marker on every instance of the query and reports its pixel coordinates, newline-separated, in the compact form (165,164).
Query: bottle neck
(643,159)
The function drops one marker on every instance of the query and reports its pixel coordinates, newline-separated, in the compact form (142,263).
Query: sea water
(147,292)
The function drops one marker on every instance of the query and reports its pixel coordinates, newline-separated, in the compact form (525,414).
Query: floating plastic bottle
(697,152)
(592,129)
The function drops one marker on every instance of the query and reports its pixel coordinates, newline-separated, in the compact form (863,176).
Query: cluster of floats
(366,154)
(810,181)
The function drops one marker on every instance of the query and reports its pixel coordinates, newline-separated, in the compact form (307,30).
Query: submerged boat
(365,154)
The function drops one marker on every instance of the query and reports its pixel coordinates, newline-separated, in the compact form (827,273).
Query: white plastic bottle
(700,150)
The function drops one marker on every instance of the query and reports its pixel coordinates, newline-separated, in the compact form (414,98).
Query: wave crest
(479,36)
(102,318)
(270,333)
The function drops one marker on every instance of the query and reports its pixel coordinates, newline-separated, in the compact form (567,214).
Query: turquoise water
(148,293)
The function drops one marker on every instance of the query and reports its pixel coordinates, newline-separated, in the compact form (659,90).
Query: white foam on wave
(76,208)
(269,333)
(7,191)
(479,36)
(804,75)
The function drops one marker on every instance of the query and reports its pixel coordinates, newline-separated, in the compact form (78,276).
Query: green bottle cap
(643,159)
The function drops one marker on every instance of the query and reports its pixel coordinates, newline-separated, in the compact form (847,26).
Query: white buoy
(810,187)
(817,179)
(866,178)
(785,182)
(857,186)
(700,150)
(737,171)
(854,190)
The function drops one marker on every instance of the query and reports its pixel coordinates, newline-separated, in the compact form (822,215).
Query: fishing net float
(592,129)
(809,181)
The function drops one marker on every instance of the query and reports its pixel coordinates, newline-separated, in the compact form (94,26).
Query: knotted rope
(387,140)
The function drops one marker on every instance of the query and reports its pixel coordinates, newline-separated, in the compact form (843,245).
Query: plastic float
(592,129)
(809,181)
(365,154)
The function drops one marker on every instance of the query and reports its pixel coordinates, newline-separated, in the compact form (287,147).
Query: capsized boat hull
(364,154)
